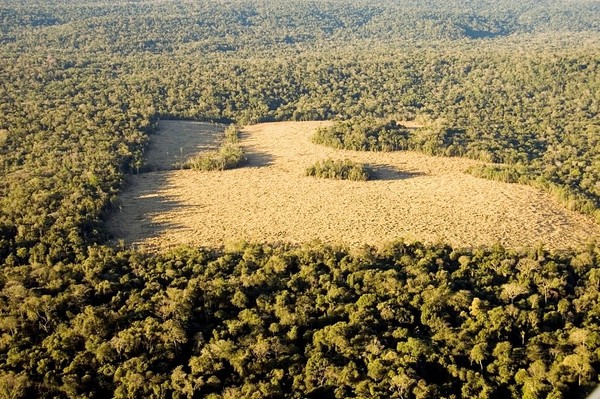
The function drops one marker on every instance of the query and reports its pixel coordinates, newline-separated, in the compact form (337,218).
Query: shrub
(230,155)
(364,136)
(338,169)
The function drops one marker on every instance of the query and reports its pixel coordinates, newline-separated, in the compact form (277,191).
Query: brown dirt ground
(415,197)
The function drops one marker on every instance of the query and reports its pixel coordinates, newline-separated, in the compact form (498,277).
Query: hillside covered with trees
(82,84)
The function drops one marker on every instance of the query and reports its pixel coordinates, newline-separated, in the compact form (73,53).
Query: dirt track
(416,197)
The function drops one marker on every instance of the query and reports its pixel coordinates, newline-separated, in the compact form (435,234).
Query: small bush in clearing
(340,170)
(230,155)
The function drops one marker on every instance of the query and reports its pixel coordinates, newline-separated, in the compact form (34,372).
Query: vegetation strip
(339,169)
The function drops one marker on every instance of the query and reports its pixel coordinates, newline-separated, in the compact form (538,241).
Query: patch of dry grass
(413,196)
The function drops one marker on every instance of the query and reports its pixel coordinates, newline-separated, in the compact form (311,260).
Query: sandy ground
(415,197)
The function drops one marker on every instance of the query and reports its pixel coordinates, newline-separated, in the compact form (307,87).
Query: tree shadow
(134,219)
(388,172)
(257,159)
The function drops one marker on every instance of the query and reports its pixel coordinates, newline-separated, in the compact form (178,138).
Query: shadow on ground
(135,218)
(255,158)
(258,159)
(177,141)
(388,172)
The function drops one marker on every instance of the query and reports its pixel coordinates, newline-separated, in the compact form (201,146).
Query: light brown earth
(416,197)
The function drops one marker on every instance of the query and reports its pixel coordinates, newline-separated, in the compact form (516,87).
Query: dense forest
(262,321)
(82,85)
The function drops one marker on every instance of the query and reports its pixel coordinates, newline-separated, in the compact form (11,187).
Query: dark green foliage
(230,154)
(407,321)
(339,169)
(503,173)
(363,136)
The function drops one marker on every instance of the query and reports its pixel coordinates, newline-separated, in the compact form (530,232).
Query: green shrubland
(363,136)
(409,320)
(339,170)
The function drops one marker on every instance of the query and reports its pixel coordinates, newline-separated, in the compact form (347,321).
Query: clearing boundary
(416,197)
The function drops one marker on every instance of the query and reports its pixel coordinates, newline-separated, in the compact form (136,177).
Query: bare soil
(415,197)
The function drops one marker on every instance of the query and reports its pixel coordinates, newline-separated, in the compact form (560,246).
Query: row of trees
(365,136)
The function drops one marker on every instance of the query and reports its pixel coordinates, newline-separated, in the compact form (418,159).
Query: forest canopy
(82,85)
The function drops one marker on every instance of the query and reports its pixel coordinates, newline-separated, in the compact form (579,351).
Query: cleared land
(176,141)
(415,197)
